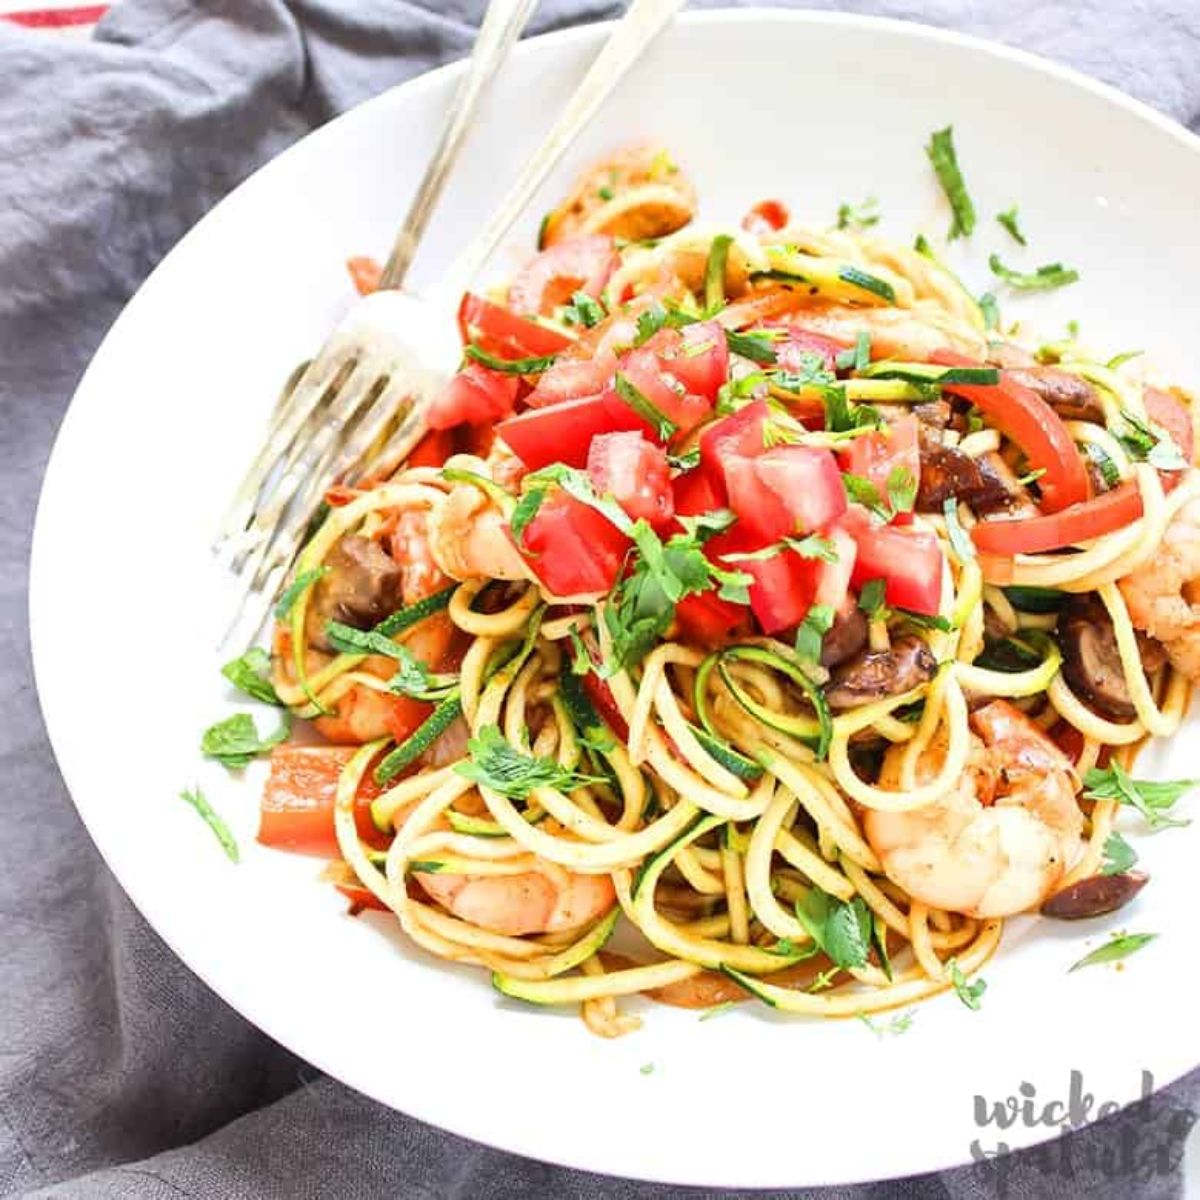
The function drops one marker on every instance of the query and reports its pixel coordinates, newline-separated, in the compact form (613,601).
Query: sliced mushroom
(361,587)
(845,638)
(879,673)
(948,473)
(1069,395)
(1095,896)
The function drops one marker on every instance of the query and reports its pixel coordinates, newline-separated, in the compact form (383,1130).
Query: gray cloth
(120,1074)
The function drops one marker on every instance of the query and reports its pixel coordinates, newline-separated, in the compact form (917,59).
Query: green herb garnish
(249,674)
(495,763)
(509,366)
(970,993)
(196,798)
(235,742)
(663,426)
(1011,222)
(944,160)
(1152,799)
(1119,855)
(295,589)
(1042,279)
(1121,946)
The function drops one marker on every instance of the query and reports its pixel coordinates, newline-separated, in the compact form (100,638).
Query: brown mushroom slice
(879,673)
(1095,896)
(1069,395)
(845,637)
(947,473)
(1091,661)
(361,587)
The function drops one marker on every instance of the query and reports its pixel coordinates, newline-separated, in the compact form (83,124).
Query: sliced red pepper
(1053,531)
(573,549)
(635,472)
(504,332)
(767,216)
(1022,415)
(563,432)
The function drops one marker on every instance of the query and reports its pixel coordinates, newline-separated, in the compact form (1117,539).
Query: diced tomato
(572,379)
(781,593)
(365,273)
(433,449)
(1052,531)
(644,369)
(360,897)
(695,493)
(706,618)
(787,490)
(875,456)
(563,432)
(296,812)
(1172,415)
(503,332)
(767,216)
(579,264)
(700,359)
(474,395)
(635,473)
(573,549)
(909,561)
(1021,414)
(739,435)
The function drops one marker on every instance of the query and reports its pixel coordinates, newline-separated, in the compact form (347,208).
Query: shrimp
(1001,841)
(1163,594)
(637,193)
(546,899)
(468,540)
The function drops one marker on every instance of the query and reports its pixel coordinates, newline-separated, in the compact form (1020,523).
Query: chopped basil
(714,272)
(249,674)
(1119,855)
(1011,222)
(196,798)
(605,192)
(497,764)
(1149,443)
(1042,279)
(960,540)
(578,485)
(755,346)
(1119,947)
(858,216)
(509,366)
(807,547)
(970,993)
(944,160)
(525,509)
(583,310)
(295,589)
(703,525)
(235,742)
(649,322)
(811,632)
(663,426)
(1152,799)
(863,491)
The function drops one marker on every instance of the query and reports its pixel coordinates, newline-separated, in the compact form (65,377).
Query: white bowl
(814,108)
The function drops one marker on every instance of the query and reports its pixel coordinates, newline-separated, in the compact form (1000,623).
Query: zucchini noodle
(799,808)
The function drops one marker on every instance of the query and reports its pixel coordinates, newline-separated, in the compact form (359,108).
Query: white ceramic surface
(817,109)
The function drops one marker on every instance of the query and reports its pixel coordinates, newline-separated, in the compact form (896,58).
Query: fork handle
(501,27)
(642,22)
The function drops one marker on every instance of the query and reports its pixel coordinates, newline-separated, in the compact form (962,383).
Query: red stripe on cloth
(57,18)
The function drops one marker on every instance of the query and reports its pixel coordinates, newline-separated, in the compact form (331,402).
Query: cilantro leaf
(525,509)
(497,764)
(649,322)
(249,674)
(810,634)
(235,742)
(901,489)
(863,491)
(1119,947)
(578,485)
(1151,799)
(1119,855)
(663,426)
(756,345)
(1042,279)
(196,798)
(1011,222)
(857,356)
(970,993)
(509,366)
(870,599)
(843,931)
(944,160)
(583,310)
(1147,442)
(858,216)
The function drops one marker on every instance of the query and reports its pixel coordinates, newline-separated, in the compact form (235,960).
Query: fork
(367,391)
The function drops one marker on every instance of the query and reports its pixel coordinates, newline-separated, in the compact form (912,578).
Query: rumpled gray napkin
(120,1074)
